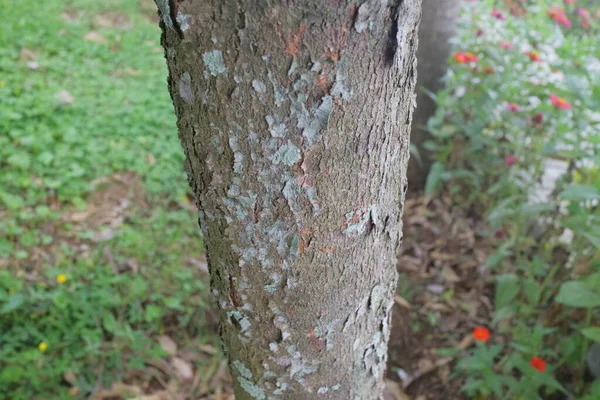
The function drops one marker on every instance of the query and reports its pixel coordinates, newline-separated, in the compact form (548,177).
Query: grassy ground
(100,253)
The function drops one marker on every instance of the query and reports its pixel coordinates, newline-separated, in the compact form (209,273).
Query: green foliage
(56,148)
(506,143)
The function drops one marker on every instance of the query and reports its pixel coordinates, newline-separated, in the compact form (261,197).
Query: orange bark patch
(327,250)
(304,240)
(322,83)
(292,47)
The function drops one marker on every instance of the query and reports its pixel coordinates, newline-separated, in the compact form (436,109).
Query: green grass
(122,292)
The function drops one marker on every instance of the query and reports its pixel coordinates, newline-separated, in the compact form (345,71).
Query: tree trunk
(295,120)
(437,28)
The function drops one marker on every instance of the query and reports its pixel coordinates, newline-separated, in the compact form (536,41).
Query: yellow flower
(61,278)
(43,346)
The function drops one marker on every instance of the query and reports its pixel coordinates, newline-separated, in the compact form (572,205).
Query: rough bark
(295,121)
(437,28)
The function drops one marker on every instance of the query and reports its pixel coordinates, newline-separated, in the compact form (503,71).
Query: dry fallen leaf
(168,345)
(162,395)
(182,368)
(449,275)
(435,288)
(466,342)
(393,391)
(33,65)
(402,302)
(69,376)
(95,37)
(27,54)
(208,349)
(64,97)
(117,390)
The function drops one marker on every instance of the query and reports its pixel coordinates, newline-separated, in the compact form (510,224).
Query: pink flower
(585,16)
(510,160)
(512,107)
(558,14)
(471,57)
(497,14)
(559,102)
(570,1)
(506,45)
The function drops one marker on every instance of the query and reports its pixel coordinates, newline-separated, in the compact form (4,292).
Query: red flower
(533,55)
(512,107)
(537,118)
(506,45)
(559,102)
(481,334)
(489,70)
(510,160)
(464,58)
(497,14)
(538,363)
(460,57)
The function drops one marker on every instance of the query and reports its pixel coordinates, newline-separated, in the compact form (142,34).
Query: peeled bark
(295,121)
(437,28)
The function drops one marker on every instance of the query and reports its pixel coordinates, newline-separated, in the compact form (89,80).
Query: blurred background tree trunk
(295,122)
(437,28)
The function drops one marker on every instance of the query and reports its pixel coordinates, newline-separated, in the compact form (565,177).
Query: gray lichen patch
(270,288)
(356,221)
(276,130)
(378,297)
(339,88)
(242,369)
(213,62)
(314,125)
(279,92)
(165,13)
(252,389)
(367,14)
(258,86)
(182,20)
(243,321)
(185,88)
(287,154)
(325,333)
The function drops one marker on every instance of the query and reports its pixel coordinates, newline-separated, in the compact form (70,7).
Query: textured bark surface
(295,120)
(438,26)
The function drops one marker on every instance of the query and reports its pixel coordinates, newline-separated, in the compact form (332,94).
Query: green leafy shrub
(516,137)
